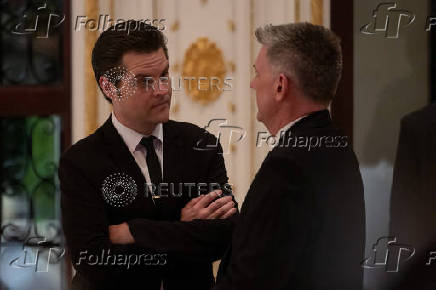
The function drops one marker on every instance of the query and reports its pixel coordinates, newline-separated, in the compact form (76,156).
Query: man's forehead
(145,63)
(262,60)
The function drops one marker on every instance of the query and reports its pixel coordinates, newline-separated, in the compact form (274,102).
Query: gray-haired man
(302,223)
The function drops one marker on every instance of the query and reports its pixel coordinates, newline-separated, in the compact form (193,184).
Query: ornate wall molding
(91,90)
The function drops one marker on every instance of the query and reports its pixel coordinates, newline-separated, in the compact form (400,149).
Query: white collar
(131,137)
(283,130)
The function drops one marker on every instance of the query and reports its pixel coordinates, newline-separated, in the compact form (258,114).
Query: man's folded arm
(204,239)
(197,240)
(85,223)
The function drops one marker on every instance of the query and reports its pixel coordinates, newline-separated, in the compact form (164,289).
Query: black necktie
(154,169)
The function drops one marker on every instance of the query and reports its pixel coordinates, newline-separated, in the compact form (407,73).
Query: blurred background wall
(391,79)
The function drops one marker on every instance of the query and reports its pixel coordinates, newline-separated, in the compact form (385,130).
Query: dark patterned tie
(154,168)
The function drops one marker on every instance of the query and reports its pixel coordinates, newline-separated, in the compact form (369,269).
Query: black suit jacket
(413,199)
(181,251)
(302,223)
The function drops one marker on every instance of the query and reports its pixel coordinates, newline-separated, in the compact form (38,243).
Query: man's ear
(281,87)
(108,88)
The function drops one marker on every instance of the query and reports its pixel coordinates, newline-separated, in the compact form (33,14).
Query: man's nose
(162,87)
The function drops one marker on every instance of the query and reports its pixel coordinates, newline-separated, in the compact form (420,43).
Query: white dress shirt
(132,139)
(286,128)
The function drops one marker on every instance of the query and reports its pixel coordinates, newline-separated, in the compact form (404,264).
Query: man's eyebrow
(167,68)
(143,76)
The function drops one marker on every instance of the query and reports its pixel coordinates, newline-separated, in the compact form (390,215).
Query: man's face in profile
(150,100)
(263,83)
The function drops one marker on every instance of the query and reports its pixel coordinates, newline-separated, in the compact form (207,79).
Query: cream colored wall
(200,18)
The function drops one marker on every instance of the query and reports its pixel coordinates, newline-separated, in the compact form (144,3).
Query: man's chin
(164,117)
(258,118)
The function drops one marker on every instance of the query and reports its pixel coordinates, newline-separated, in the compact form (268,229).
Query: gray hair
(309,54)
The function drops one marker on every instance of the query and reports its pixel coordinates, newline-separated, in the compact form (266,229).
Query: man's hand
(120,234)
(202,207)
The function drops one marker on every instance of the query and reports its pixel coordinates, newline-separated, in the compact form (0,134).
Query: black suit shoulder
(184,127)
(424,117)
(191,133)
(86,144)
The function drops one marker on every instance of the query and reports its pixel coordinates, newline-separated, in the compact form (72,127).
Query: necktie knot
(147,142)
(154,167)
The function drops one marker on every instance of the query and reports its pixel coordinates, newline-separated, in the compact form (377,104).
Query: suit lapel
(173,151)
(119,152)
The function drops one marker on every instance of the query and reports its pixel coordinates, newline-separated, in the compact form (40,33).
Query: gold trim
(203,60)
(154,9)
(232,66)
(175,26)
(316,12)
(175,67)
(91,91)
(175,108)
(232,107)
(231,25)
(111,9)
(297,11)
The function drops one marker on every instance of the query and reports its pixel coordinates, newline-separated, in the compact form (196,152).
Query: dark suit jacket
(302,223)
(183,251)
(413,198)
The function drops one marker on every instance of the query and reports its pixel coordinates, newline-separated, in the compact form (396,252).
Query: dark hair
(117,40)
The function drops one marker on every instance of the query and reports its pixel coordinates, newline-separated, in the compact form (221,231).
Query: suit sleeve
(198,240)
(274,230)
(85,223)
